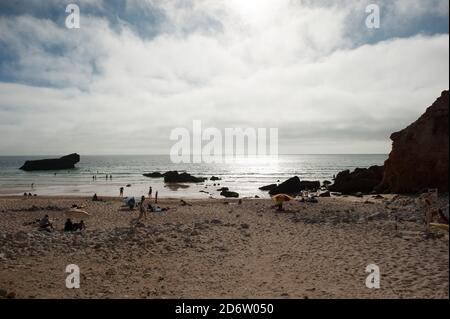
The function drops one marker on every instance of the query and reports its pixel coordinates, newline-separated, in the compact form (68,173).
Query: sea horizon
(243,174)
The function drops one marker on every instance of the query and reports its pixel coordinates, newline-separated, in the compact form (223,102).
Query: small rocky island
(65,162)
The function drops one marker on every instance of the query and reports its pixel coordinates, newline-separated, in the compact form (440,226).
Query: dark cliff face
(65,162)
(420,153)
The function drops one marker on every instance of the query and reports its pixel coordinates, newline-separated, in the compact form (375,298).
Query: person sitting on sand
(157,209)
(79,226)
(142,210)
(95,198)
(68,226)
(45,224)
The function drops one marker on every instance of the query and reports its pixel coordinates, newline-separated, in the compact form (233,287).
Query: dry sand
(220,249)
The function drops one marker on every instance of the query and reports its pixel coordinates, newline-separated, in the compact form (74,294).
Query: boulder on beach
(362,180)
(154,175)
(325,194)
(419,156)
(290,186)
(268,187)
(65,162)
(215,178)
(293,186)
(175,177)
(229,194)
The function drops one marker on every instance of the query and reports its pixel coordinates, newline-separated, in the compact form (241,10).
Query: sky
(136,70)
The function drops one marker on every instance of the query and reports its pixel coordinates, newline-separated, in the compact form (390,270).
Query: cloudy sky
(135,70)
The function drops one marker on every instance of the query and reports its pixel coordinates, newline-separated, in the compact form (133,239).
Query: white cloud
(291,66)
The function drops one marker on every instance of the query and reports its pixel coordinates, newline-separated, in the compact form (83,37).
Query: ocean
(243,175)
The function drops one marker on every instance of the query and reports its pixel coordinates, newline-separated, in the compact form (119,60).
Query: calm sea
(243,175)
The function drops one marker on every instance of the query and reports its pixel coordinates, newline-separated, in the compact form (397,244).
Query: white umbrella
(77,213)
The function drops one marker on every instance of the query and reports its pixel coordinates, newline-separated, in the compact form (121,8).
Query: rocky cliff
(420,153)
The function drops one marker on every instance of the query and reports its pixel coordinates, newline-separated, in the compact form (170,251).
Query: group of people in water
(94,177)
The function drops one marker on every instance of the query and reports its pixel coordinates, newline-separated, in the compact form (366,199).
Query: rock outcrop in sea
(291,186)
(362,180)
(420,153)
(65,162)
(175,177)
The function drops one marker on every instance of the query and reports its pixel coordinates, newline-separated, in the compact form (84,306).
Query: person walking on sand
(150,192)
(121,192)
(142,211)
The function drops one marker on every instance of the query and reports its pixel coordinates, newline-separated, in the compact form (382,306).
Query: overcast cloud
(137,69)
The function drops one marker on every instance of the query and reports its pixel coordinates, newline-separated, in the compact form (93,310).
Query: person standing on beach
(156,197)
(142,211)
(150,192)
(121,192)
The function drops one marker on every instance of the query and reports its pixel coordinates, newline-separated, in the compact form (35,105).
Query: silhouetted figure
(150,192)
(68,226)
(95,198)
(156,197)
(45,224)
(142,211)
(79,226)
(121,192)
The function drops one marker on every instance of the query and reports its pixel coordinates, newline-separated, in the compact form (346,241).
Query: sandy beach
(223,249)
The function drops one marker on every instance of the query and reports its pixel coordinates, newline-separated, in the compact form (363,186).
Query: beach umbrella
(279,198)
(77,213)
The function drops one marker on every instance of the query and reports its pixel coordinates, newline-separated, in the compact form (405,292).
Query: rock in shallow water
(65,162)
